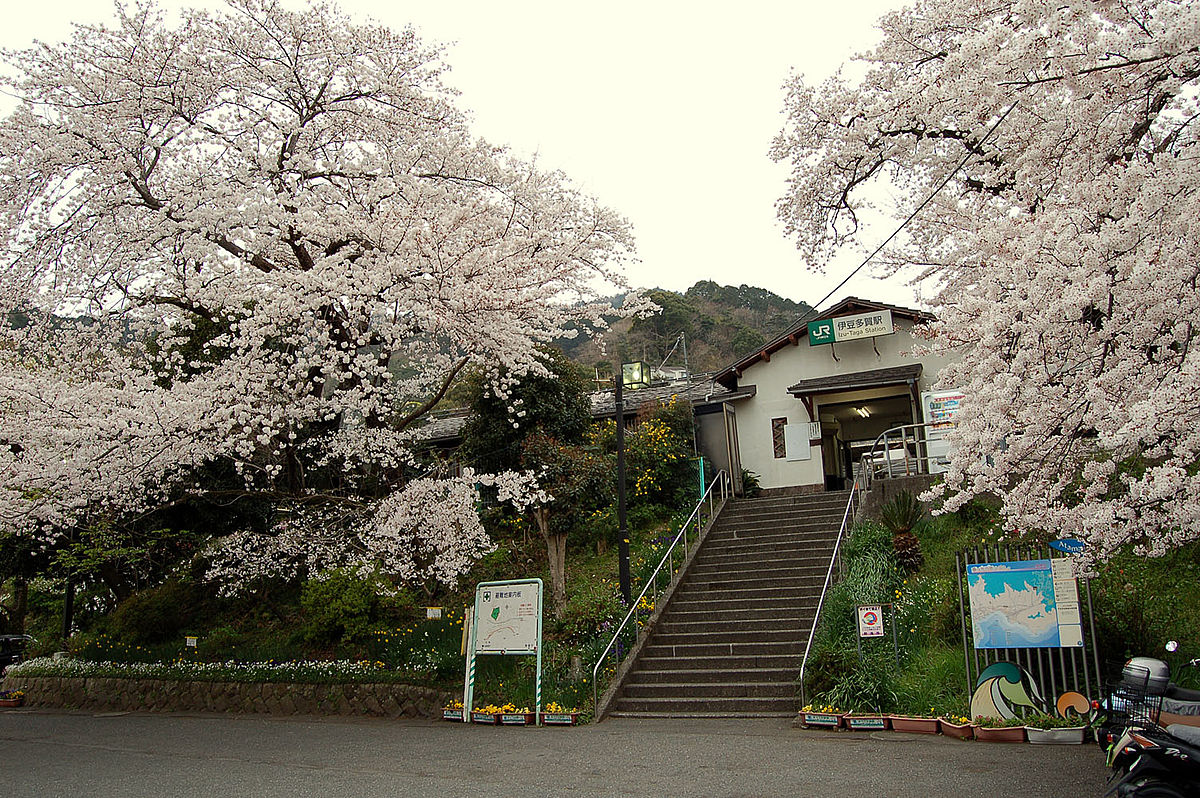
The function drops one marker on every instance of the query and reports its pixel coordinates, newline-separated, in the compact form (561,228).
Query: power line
(917,210)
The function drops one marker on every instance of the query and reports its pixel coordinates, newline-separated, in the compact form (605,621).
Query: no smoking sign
(870,620)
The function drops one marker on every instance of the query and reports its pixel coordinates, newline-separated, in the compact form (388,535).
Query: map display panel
(507,618)
(1024,604)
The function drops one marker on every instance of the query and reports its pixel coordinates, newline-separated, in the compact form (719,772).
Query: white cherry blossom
(267,239)
(1064,251)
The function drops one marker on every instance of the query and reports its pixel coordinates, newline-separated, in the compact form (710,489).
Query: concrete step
(790,613)
(722,663)
(799,596)
(680,638)
(773,538)
(775,534)
(738,649)
(732,568)
(804,500)
(712,675)
(701,715)
(768,557)
(707,623)
(781,689)
(689,599)
(715,705)
(717,601)
(766,554)
(755,528)
(742,580)
(735,517)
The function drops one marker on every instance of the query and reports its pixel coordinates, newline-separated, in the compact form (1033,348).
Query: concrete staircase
(730,641)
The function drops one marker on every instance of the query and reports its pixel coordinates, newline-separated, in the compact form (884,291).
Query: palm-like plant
(900,516)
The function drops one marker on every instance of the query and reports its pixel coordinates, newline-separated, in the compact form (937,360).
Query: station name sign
(850,328)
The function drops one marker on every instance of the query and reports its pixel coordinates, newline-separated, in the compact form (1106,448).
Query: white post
(469,673)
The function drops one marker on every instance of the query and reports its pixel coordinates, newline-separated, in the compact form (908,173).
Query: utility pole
(622,531)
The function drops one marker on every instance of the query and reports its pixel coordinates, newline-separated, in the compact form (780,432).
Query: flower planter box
(1001,734)
(963,731)
(902,723)
(866,722)
(11,702)
(517,718)
(452,714)
(560,718)
(485,717)
(1071,735)
(822,720)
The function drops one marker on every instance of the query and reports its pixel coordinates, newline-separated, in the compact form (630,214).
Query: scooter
(1156,763)
(1146,696)
(1150,753)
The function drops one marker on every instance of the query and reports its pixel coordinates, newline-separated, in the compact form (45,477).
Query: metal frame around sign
(472,647)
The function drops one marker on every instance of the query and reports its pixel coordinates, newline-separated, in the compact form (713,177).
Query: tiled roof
(699,390)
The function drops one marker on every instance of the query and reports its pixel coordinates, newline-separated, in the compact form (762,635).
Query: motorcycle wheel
(1155,788)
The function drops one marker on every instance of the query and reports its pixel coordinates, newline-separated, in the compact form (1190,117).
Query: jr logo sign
(820,332)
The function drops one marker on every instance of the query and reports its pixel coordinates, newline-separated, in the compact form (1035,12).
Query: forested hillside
(718,322)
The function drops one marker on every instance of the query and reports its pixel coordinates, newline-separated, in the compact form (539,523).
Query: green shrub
(593,610)
(869,537)
(156,615)
(339,606)
(902,513)
(865,686)
(932,681)
(926,611)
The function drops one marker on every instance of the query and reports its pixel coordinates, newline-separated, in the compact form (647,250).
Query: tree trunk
(20,605)
(556,555)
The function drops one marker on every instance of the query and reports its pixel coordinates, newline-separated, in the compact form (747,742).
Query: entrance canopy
(876,378)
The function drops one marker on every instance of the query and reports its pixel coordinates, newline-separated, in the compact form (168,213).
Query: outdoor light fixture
(633,375)
(862,411)
(636,374)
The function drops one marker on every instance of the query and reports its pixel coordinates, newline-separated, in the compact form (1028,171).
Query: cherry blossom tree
(1063,249)
(264,242)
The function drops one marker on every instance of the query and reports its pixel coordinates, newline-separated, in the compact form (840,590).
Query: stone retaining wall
(157,695)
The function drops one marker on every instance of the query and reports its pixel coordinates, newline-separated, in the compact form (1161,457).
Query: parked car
(12,649)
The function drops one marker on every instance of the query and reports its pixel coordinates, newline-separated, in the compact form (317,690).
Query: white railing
(900,452)
(897,452)
(722,486)
(847,520)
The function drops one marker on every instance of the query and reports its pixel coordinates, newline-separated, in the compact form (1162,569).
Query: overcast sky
(662,110)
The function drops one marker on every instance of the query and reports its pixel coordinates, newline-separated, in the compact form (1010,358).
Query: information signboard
(508,617)
(850,328)
(1024,604)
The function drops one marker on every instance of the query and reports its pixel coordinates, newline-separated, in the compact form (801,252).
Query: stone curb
(270,698)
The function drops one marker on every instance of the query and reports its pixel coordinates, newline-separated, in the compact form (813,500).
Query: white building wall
(793,364)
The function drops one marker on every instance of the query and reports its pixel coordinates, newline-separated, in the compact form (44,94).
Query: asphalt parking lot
(50,753)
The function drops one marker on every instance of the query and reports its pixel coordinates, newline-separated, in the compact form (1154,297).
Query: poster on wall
(941,411)
(1024,604)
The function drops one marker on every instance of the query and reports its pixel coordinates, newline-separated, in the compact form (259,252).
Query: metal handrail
(866,474)
(847,519)
(723,481)
(917,463)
